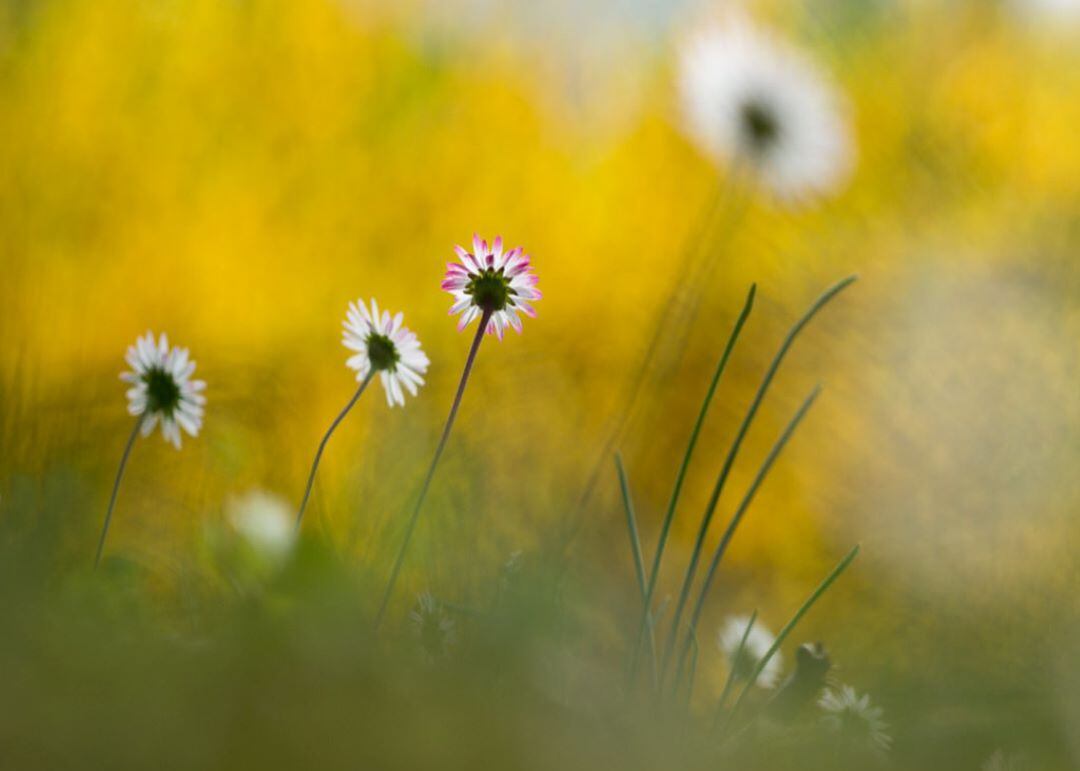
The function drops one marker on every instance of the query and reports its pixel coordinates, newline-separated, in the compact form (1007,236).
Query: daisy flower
(434,630)
(853,717)
(758,642)
(382,343)
(999,761)
(751,100)
(493,283)
(264,521)
(162,389)
(384,347)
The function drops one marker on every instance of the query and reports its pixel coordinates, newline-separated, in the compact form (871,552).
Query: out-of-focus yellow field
(234,173)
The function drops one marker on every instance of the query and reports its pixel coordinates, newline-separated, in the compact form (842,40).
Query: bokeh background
(234,173)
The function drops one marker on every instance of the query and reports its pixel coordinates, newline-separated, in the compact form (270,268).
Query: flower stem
(116,486)
(484,319)
(322,445)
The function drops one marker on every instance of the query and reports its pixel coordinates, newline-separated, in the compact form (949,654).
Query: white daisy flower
(853,717)
(1047,11)
(492,281)
(434,630)
(751,100)
(999,761)
(757,645)
(162,388)
(264,520)
(383,343)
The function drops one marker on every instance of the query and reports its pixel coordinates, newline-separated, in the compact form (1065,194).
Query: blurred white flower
(1047,11)
(752,101)
(162,388)
(382,342)
(853,717)
(999,761)
(757,645)
(434,630)
(264,520)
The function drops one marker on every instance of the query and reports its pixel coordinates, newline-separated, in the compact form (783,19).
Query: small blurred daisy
(162,391)
(162,388)
(264,521)
(750,100)
(999,761)
(384,347)
(383,344)
(434,630)
(492,284)
(853,717)
(758,642)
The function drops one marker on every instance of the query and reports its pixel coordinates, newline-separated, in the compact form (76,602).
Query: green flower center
(760,126)
(162,392)
(382,352)
(490,290)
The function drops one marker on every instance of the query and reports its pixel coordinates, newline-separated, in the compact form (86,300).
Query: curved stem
(736,518)
(710,508)
(326,438)
(116,487)
(680,477)
(484,319)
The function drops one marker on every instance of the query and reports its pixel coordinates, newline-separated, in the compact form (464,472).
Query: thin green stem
(729,682)
(322,445)
(815,595)
(116,486)
(730,460)
(635,548)
(680,477)
(484,319)
(736,518)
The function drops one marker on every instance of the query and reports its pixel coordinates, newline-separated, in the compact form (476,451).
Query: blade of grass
(814,596)
(710,508)
(693,670)
(730,681)
(680,477)
(635,548)
(736,518)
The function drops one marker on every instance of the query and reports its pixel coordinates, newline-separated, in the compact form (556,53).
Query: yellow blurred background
(234,173)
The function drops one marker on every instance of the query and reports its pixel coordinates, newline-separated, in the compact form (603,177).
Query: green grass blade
(680,477)
(710,509)
(729,683)
(635,548)
(822,587)
(736,518)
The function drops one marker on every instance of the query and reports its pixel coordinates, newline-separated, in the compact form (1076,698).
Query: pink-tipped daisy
(382,342)
(491,281)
